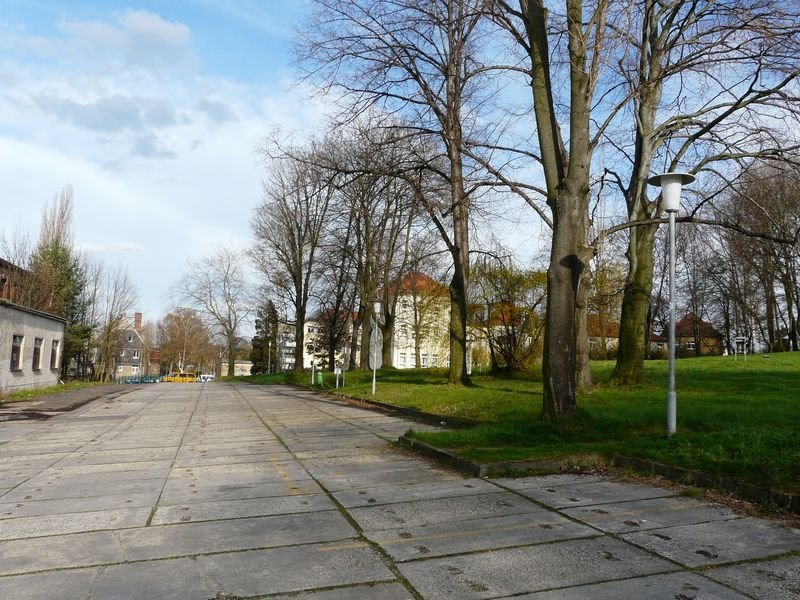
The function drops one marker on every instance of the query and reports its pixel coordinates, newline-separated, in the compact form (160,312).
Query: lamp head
(377,304)
(670,184)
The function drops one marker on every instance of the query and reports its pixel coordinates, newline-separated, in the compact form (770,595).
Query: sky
(153,113)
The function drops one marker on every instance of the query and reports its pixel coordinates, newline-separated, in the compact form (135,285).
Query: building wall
(240,368)
(30,324)
(434,343)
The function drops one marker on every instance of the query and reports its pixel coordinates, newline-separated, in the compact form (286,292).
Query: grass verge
(737,419)
(30,394)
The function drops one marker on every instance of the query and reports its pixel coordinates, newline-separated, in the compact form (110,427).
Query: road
(193,491)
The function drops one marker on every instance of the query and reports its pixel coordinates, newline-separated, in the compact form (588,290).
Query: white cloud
(104,249)
(161,161)
(139,39)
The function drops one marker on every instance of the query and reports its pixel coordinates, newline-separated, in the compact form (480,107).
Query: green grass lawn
(46,391)
(739,419)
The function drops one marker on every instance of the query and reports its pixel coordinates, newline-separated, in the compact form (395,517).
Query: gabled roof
(418,283)
(686,326)
(607,330)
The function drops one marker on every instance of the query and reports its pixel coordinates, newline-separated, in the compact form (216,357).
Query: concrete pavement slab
(45,525)
(458,537)
(529,569)
(673,586)
(68,551)
(774,579)
(438,510)
(545,481)
(235,509)
(98,457)
(640,515)
(182,492)
(75,585)
(718,542)
(389,494)
(421,474)
(27,508)
(297,568)
(190,539)
(61,470)
(596,492)
(176,579)
(67,490)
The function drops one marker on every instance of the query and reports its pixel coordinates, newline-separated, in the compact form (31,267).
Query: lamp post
(376,305)
(670,184)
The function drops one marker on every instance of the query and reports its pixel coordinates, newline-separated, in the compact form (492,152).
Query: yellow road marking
(291,488)
(353,546)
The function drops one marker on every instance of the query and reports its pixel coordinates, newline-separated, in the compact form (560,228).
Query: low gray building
(31,346)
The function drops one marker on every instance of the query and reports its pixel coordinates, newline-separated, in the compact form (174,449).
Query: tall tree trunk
(633,329)
(583,375)
(387,338)
(563,278)
(458,325)
(299,339)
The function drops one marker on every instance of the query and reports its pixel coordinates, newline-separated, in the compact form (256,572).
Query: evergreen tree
(264,342)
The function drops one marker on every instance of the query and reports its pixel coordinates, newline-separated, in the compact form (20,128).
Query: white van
(205,378)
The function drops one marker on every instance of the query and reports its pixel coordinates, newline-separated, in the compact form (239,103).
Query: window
(54,355)
(135,370)
(424,358)
(119,369)
(122,353)
(135,354)
(130,338)
(36,363)
(690,345)
(16,352)
(402,359)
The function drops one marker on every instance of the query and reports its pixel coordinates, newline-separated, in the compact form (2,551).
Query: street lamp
(670,184)
(376,305)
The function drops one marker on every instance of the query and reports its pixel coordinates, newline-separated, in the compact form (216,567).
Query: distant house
(134,357)
(31,346)
(603,336)
(695,337)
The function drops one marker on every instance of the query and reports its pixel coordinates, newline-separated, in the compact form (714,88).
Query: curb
(571,464)
(764,496)
(417,415)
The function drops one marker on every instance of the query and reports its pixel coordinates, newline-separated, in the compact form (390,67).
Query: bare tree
(217,287)
(184,340)
(288,227)
(117,297)
(712,84)
(418,60)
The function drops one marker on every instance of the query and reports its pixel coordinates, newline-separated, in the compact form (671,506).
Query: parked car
(181,378)
(205,378)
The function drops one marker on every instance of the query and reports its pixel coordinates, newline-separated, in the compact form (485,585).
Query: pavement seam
(174,459)
(386,559)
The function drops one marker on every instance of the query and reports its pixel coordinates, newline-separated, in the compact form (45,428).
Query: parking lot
(200,491)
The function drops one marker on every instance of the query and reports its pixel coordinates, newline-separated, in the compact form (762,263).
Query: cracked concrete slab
(718,542)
